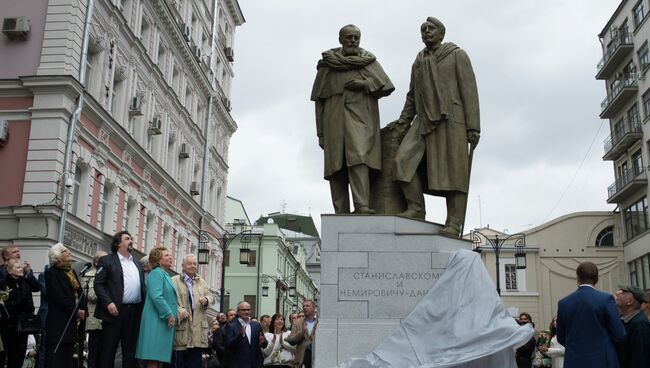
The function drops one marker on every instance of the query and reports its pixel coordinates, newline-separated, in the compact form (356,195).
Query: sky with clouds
(541,148)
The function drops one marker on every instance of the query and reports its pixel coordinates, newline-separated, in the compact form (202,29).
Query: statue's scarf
(335,59)
(436,108)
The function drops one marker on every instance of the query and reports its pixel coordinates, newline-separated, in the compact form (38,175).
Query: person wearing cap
(635,351)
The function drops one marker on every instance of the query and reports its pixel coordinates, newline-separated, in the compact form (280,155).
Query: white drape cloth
(460,323)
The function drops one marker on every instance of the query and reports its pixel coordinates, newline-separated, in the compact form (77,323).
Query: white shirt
(131,278)
(310,325)
(248,328)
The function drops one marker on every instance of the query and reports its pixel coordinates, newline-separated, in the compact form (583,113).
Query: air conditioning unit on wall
(194,188)
(16,28)
(135,108)
(155,126)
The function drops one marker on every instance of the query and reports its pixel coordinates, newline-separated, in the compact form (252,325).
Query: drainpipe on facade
(259,265)
(73,122)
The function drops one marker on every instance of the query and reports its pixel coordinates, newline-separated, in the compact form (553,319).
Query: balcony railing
(620,46)
(622,91)
(628,181)
(620,140)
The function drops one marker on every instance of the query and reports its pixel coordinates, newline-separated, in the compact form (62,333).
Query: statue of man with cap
(442,112)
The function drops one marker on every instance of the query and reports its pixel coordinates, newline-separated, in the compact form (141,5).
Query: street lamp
(203,258)
(225,243)
(496,243)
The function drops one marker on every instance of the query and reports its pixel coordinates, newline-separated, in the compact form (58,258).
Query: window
(252,300)
(511,277)
(637,162)
(252,258)
(107,195)
(636,218)
(145,34)
(639,270)
(646,104)
(226,259)
(644,58)
(605,237)
(633,117)
(639,14)
(618,130)
(76,191)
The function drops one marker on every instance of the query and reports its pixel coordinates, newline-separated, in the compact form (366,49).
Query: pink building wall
(13,160)
(21,58)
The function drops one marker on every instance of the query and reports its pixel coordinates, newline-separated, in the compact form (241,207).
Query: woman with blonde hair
(158,322)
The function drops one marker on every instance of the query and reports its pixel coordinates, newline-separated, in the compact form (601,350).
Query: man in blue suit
(588,324)
(244,338)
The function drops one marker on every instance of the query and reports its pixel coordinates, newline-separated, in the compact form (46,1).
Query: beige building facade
(553,252)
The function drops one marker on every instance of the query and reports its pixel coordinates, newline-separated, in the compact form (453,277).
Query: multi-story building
(264,266)
(624,68)
(119,120)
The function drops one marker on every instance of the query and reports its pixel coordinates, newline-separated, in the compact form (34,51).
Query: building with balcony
(115,115)
(624,68)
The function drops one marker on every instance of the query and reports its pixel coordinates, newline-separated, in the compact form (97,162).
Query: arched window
(605,237)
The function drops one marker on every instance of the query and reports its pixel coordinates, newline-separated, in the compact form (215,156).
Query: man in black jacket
(636,348)
(120,289)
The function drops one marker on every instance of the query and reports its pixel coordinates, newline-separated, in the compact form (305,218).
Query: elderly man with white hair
(194,298)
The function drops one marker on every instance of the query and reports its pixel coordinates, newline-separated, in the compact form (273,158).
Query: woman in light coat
(278,353)
(555,351)
(192,329)
(159,313)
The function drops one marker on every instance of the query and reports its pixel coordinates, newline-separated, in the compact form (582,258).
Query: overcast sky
(535,63)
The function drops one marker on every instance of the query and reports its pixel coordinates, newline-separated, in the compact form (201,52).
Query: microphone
(85,269)
(100,269)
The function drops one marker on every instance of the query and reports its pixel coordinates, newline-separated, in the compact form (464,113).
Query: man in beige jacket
(303,334)
(192,328)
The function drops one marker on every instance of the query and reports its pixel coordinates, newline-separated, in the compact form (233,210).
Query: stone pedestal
(374,270)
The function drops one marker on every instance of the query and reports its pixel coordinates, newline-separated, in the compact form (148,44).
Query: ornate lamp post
(496,243)
(279,284)
(224,242)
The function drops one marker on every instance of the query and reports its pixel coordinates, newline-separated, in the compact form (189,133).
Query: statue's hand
(395,124)
(321,142)
(357,85)
(473,137)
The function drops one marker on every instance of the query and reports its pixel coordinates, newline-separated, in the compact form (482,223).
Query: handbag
(29,324)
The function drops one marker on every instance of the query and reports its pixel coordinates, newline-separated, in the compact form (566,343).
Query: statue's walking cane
(469,175)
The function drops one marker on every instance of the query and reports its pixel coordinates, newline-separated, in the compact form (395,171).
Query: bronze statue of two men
(439,121)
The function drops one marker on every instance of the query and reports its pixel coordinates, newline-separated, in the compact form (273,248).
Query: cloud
(535,65)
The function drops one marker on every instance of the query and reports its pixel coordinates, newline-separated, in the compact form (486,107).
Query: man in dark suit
(120,290)
(588,324)
(244,338)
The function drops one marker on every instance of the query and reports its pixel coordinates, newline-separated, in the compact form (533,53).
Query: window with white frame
(511,278)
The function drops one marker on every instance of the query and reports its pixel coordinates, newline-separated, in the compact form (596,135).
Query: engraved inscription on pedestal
(392,284)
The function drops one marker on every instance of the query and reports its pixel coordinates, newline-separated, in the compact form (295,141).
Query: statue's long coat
(348,121)
(443,98)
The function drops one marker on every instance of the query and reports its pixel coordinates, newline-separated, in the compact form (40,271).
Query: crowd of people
(127,313)
(592,329)
(120,312)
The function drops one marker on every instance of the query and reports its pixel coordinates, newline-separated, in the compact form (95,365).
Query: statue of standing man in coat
(348,85)
(442,112)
